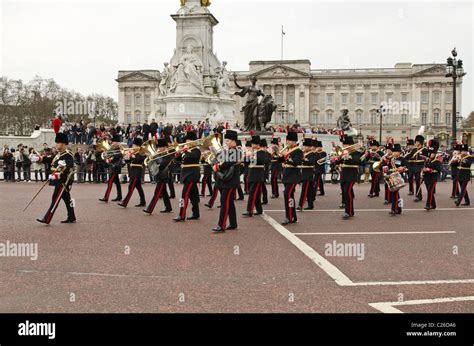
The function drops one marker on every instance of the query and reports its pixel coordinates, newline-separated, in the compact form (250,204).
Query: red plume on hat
(273,135)
(251,133)
(56,125)
(393,141)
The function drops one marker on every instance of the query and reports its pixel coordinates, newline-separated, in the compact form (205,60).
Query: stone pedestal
(195,29)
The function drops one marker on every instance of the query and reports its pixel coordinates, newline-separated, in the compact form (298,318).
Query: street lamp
(454,70)
(380,112)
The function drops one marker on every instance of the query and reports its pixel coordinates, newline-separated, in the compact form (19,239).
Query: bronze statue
(255,114)
(344,123)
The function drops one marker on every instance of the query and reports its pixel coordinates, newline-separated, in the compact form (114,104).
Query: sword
(42,187)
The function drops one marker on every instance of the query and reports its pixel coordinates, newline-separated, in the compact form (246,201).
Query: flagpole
(282,42)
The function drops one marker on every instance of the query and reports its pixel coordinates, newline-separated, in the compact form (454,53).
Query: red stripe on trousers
(254,198)
(109,187)
(186,197)
(157,197)
(55,205)
(291,208)
(226,213)
(214,196)
(432,194)
(351,206)
(130,193)
(305,194)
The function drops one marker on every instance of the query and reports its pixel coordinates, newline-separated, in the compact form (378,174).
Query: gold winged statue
(204,3)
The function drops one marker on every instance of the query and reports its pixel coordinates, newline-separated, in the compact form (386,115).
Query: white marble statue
(188,70)
(165,79)
(222,81)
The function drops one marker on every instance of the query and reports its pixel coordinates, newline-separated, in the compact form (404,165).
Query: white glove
(61,163)
(52,177)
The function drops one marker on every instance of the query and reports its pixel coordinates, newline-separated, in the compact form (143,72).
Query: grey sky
(82,44)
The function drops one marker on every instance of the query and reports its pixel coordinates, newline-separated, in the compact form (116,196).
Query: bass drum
(395,181)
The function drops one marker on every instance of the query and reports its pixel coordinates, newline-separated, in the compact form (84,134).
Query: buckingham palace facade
(412,95)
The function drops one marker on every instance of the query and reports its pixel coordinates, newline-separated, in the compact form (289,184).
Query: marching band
(224,160)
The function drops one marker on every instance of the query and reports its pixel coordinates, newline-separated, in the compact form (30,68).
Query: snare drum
(395,181)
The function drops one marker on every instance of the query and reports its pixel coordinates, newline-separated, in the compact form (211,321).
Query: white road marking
(339,277)
(377,233)
(368,210)
(414,282)
(388,307)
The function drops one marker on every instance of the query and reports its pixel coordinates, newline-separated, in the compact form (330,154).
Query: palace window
(424,118)
(424,97)
(128,100)
(147,100)
(388,97)
(373,117)
(138,100)
(404,97)
(404,119)
(344,98)
(436,96)
(329,117)
(448,118)
(291,118)
(359,117)
(436,117)
(374,98)
(359,99)
(129,117)
(329,98)
(449,97)
(316,99)
(314,118)
(279,95)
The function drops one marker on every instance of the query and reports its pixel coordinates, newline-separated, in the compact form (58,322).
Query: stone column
(307,104)
(121,105)
(430,103)
(443,103)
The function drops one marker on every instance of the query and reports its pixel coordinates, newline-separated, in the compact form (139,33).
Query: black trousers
(464,194)
(171,186)
(375,183)
(60,192)
(416,177)
(227,208)
(274,181)
(213,196)
(190,192)
(135,182)
(255,198)
(395,201)
(114,179)
(430,199)
(206,181)
(290,204)
(246,183)
(387,192)
(160,192)
(240,192)
(307,192)
(348,197)
(455,190)
(264,192)
(318,184)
